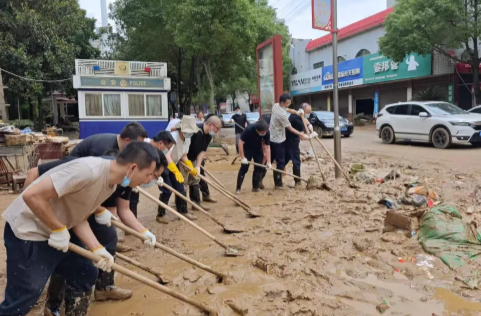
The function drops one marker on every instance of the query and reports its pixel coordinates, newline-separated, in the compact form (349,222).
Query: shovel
(133,262)
(115,267)
(180,195)
(212,176)
(324,185)
(169,250)
(227,194)
(230,252)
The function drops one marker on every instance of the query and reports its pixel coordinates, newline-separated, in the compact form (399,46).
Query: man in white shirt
(173,122)
(52,212)
(278,125)
(173,177)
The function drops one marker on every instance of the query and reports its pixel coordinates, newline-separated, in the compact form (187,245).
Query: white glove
(244,161)
(269,165)
(150,243)
(314,135)
(135,190)
(160,181)
(105,218)
(59,239)
(107,260)
(310,128)
(198,170)
(300,112)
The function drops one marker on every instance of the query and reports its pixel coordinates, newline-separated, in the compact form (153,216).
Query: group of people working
(74,199)
(277,142)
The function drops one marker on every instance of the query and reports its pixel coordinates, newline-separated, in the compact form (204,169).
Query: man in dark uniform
(199,143)
(293,152)
(251,148)
(240,120)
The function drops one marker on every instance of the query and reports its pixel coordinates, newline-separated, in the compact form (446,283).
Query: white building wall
(347,48)
(242,100)
(300,60)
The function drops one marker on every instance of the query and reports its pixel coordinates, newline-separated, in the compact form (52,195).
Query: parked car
(476,109)
(252,117)
(439,123)
(323,123)
(226,120)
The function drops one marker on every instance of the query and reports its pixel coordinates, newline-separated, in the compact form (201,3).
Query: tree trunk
(179,77)
(210,79)
(41,114)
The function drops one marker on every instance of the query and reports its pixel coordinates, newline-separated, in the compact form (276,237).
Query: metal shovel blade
(232,252)
(232,230)
(253,212)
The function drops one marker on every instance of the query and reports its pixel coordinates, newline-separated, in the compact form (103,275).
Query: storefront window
(154,105)
(93,104)
(112,105)
(136,105)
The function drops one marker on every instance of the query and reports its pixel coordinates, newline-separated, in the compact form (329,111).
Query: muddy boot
(240,180)
(76,303)
(55,296)
(106,290)
(256,179)
(297,172)
(194,193)
(262,176)
(278,181)
(161,211)
(208,198)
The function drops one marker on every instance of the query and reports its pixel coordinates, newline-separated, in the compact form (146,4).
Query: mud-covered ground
(312,253)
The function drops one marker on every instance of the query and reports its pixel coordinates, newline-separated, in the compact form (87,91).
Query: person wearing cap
(182,134)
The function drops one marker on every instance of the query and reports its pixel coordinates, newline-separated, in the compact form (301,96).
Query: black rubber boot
(256,179)
(104,280)
(297,172)
(194,193)
(204,188)
(240,180)
(160,209)
(76,303)
(278,180)
(55,296)
(181,205)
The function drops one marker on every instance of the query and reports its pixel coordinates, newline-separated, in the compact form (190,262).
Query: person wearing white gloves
(251,148)
(51,213)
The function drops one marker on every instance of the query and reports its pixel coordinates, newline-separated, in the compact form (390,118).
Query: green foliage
(424,26)
(435,93)
(22,124)
(41,39)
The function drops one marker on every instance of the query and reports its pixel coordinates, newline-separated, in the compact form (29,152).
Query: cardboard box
(16,140)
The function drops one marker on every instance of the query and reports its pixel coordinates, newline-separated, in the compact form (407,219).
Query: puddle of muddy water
(455,304)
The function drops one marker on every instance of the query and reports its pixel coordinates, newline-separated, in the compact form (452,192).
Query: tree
(424,26)
(40,40)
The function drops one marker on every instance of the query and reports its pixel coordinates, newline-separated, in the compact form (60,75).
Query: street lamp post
(337,131)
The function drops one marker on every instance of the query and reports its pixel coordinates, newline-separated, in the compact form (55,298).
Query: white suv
(439,123)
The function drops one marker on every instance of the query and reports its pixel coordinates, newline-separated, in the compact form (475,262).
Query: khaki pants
(188,178)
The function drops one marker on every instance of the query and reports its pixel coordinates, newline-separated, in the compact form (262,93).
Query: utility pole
(337,131)
(3,105)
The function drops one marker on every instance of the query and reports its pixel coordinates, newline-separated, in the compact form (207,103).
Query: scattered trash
(401,260)
(422,190)
(430,203)
(444,234)
(26,131)
(392,175)
(380,180)
(382,307)
(413,233)
(364,177)
(390,203)
(416,200)
(470,210)
(357,167)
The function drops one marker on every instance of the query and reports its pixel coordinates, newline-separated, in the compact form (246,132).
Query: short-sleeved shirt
(253,140)
(199,142)
(81,185)
(181,147)
(278,124)
(172,124)
(120,192)
(298,124)
(240,119)
(95,145)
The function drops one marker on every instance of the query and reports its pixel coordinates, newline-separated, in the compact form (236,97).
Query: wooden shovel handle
(276,170)
(335,161)
(96,258)
(304,120)
(139,265)
(168,250)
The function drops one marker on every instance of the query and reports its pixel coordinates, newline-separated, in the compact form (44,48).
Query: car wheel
(348,135)
(441,138)
(319,131)
(476,145)
(387,135)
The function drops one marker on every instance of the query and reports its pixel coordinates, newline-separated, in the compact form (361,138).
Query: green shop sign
(121,83)
(378,68)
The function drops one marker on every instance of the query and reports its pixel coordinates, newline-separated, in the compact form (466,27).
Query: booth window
(154,105)
(112,105)
(136,105)
(93,104)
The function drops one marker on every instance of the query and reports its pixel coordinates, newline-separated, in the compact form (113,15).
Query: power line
(289,5)
(34,80)
(294,14)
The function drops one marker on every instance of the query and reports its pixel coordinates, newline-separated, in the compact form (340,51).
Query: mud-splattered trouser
(165,194)
(257,155)
(237,139)
(278,154)
(293,153)
(194,183)
(31,263)
(107,236)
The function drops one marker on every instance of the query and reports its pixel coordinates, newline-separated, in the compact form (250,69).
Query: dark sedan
(323,123)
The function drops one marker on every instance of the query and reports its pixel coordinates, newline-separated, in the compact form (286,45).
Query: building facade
(367,80)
